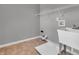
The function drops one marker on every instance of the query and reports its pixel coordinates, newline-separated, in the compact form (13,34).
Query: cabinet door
(75,40)
(64,37)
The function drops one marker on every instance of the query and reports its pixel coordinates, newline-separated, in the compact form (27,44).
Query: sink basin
(71,30)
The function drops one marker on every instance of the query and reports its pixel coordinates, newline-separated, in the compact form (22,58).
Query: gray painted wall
(18,22)
(49,24)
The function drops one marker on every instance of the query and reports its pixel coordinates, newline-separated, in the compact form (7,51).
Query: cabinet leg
(64,49)
(60,48)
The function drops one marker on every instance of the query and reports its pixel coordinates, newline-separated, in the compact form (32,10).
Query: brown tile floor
(25,48)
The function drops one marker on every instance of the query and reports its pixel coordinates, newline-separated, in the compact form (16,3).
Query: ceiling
(49,7)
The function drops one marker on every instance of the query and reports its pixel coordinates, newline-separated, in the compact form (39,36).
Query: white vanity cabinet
(69,37)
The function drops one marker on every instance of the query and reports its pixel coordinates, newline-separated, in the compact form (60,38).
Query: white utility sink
(69,37)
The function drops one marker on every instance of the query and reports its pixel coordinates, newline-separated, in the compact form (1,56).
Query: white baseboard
(12,43)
